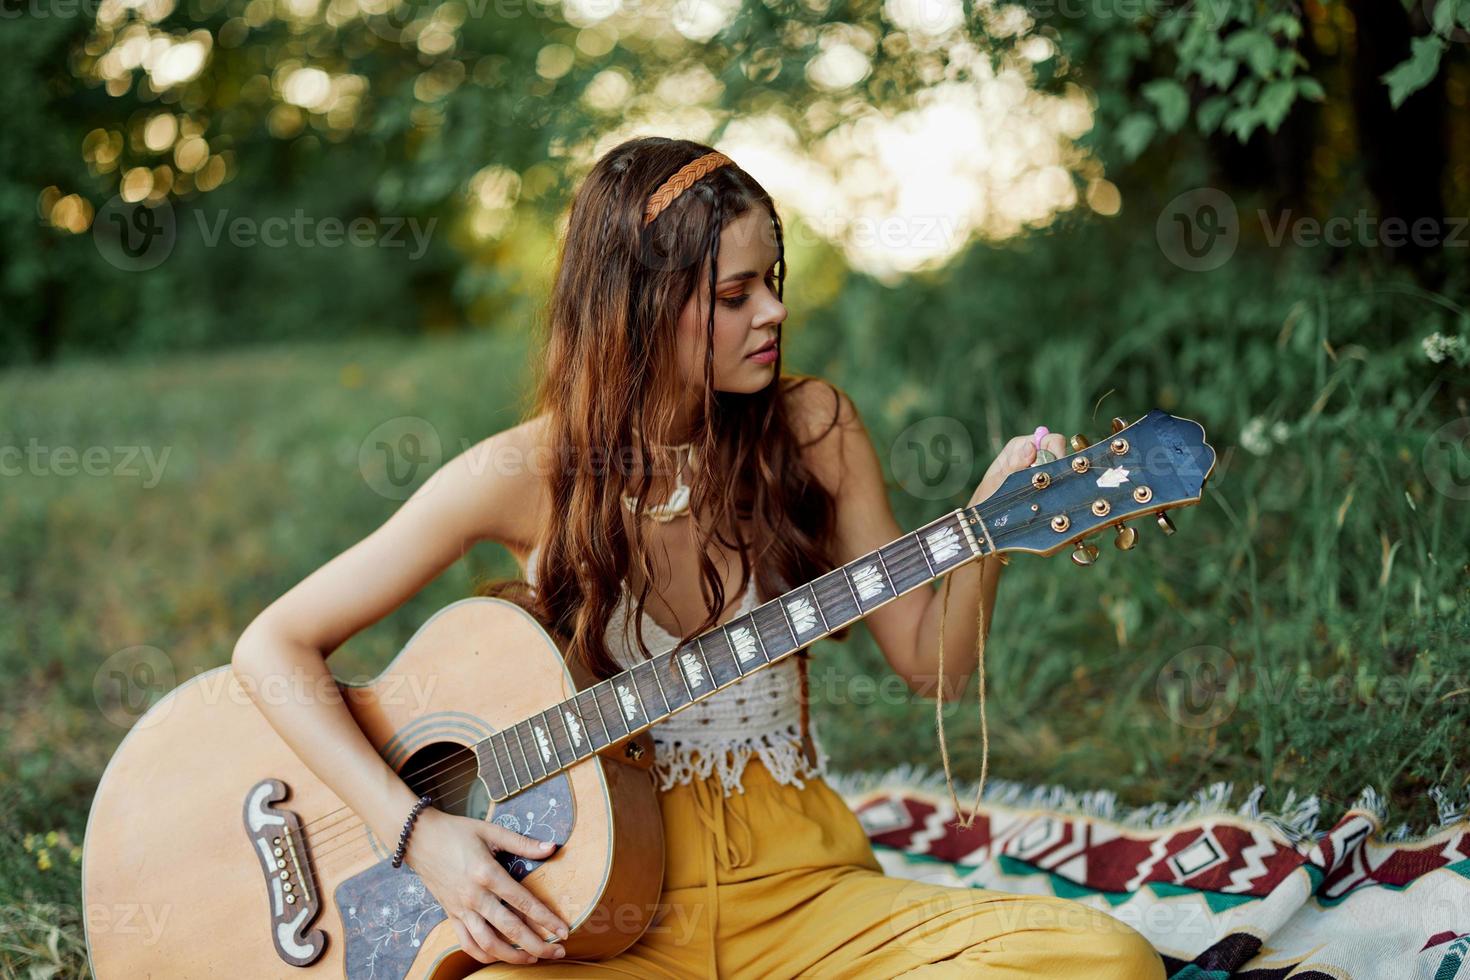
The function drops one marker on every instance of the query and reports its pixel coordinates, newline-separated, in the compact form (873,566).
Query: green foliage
(1414,73)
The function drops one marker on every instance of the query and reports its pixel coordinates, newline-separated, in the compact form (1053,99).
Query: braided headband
(681,181)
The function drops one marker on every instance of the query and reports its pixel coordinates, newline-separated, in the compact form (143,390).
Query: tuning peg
(1118,425)
(1166,525)
(1084,554)
(1126,539)
(1079,442)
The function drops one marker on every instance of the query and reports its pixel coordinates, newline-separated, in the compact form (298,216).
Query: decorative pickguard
(543,812)
(386,914)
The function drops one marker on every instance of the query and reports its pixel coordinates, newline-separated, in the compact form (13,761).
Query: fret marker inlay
(542,743)
(630,704)
(744,642)
(868,581)
(944,544)
(693,669)
(803,615)
(575,727)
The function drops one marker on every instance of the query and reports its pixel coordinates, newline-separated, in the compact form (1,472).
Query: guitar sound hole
(450,774)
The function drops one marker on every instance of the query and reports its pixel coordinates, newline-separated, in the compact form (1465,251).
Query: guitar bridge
(281,848)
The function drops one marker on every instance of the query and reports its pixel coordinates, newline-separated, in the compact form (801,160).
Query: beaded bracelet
(413,815)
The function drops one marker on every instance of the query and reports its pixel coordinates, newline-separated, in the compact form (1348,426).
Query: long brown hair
(608,369)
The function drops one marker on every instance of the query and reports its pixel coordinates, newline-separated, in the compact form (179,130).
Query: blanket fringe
(1296,818)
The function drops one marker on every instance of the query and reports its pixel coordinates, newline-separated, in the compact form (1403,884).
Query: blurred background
(267,263)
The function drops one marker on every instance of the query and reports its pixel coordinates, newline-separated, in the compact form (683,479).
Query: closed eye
(735,302)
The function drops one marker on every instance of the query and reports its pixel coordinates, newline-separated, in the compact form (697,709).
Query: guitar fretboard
(524,753)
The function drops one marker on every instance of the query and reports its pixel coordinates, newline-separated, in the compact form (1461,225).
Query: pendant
(676,506)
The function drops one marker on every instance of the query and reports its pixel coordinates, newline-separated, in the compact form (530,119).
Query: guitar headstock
(1144,469)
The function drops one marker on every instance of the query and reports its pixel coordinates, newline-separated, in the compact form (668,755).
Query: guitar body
(206,824)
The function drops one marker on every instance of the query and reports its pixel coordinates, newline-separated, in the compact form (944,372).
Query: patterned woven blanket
(1220,890)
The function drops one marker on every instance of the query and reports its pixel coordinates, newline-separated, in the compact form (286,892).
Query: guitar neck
(626,703)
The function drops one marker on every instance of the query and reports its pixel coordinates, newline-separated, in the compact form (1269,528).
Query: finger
(1056,444)
(516,930)
(492,941)
(519,897)
(467,942)
(505,839)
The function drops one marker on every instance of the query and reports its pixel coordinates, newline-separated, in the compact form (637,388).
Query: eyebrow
(741,276)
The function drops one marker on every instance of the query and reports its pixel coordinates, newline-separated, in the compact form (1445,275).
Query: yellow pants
(782,882)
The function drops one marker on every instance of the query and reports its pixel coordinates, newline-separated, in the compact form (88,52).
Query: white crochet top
(759,715)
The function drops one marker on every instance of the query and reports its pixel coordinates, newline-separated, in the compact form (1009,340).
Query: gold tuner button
(1060,523)
(1126,539)
(1118,447)
(1084,554)
(1079,442)
(1041,480)
(1166,525)
(1118,425)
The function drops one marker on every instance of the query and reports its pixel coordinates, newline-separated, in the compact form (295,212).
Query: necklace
(677,505)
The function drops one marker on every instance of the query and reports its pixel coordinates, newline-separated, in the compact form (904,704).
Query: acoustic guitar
(211,850)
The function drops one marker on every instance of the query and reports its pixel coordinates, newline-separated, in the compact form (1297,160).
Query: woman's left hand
(1017,454)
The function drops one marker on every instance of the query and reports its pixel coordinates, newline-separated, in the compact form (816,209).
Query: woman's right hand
(455,857)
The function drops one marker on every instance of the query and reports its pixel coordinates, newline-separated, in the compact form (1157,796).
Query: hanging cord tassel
(962,821)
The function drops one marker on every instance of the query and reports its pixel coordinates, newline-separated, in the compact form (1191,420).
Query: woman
(670,474)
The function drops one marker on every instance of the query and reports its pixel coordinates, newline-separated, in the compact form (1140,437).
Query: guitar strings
(469,768)
(433,768)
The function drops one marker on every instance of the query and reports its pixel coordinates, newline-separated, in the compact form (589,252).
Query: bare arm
(907,628)
(460,504)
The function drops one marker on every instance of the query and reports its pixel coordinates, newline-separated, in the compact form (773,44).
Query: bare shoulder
(826,424)
(504,474)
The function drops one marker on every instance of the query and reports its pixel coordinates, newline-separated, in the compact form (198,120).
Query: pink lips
(766,355)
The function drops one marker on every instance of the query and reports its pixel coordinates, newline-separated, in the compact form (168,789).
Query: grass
(1321,568)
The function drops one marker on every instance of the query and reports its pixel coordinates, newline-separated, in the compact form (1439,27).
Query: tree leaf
(1135,132)
(1219,72)
(1309,88)
(1210,112)
(1171,99)
(1415,71)
(1276,102)
(1255,47)
(1242,122)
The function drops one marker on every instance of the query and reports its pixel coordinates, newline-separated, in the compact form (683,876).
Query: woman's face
(748,315)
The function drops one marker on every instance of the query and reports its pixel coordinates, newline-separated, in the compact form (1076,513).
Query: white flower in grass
(1253,437)
(1438,348)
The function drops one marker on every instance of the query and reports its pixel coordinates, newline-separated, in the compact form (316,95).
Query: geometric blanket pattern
(1219,890)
